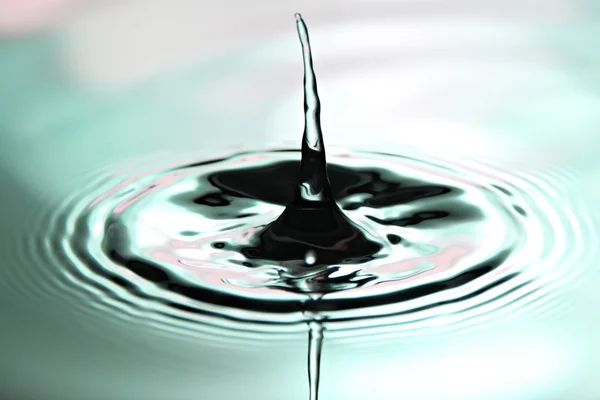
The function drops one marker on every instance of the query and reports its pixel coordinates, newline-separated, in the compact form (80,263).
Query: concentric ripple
(459,239)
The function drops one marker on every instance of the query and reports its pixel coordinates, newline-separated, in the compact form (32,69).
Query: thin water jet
(312,222)
(315,346)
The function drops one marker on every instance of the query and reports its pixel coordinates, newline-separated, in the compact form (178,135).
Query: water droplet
(311,257)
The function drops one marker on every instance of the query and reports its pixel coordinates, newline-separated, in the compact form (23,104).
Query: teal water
(518,317)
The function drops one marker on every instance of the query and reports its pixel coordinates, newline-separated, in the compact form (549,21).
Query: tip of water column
(298,17)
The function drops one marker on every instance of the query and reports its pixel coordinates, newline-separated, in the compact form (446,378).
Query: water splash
(312,222)
(462,243)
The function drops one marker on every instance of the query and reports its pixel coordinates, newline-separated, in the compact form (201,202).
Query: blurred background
(97,80)
(85,84)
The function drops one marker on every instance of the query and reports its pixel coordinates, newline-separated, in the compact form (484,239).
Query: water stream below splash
(262,240)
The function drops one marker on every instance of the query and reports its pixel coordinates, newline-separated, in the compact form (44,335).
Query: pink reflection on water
(247,234)
(445,260)
(181,244)
(112,191)
(159,183)
(214,274)
(254,157)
